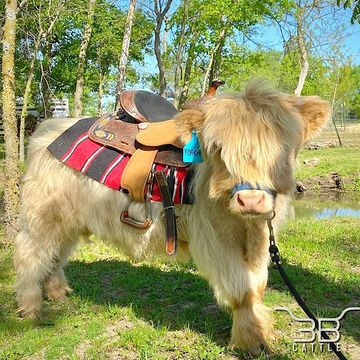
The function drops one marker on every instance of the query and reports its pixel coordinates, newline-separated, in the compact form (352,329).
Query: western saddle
(144,127)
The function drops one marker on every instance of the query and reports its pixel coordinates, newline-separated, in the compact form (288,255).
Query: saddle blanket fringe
(106,165)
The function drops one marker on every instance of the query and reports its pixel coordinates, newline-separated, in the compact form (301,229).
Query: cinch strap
(247,186)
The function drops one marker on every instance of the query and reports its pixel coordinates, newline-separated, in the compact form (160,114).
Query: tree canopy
(199,41)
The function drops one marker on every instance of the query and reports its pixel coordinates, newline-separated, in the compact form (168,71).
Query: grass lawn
(165,310)
(343,160)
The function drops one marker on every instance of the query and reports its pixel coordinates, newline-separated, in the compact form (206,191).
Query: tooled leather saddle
(144,127)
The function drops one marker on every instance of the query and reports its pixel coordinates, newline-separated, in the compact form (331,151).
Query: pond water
(325,206)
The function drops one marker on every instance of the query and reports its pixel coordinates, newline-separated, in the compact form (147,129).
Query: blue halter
(247,186)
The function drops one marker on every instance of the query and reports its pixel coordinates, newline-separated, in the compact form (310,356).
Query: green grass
(165,310)
(343,160)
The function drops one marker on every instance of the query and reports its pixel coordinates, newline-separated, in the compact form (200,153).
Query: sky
(352,42)
(271,37)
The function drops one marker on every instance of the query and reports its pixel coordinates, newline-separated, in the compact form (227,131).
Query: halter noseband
(247,186)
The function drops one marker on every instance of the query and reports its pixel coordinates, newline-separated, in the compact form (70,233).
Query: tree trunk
(25,101)
(100,93)
(46,92)
(160,15)
(12,174)
(160,63)
(45,66)
(207,74)
(165,36)
(216,65)
(179,57)
(302,52)
(332,110)
(78,108)
(187,72)
(125,52)
(42,36)
(216,50)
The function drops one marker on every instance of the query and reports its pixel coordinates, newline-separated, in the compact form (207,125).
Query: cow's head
(250,143)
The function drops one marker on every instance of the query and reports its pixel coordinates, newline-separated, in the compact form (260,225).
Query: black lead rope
(275,258)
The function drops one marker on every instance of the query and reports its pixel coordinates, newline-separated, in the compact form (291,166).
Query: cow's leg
(251,321)
(36,261)
(252,324)
(56,286)
(236,268)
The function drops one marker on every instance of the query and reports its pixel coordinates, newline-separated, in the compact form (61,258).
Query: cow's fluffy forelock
(256,137)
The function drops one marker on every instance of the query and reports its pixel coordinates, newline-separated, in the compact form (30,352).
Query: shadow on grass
(324,298)
(177,299)
(174,299)
(180,299)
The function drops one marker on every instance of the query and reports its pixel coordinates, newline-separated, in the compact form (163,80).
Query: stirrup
(126,219)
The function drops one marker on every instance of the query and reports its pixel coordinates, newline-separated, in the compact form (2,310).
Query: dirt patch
(81,349)
(320,145)
(110,336)
(112,331)
(349,135)
(356,270)
(122,354)
(353,350)
(331,182)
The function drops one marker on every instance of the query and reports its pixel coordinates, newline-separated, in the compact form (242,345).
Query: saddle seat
(145,106)
(144,128)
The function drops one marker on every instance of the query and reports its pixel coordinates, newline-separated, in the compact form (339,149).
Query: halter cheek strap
(247,186)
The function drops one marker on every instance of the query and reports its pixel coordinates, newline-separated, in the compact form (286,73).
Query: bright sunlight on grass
(165,310)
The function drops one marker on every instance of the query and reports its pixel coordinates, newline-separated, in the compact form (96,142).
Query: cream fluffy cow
(250,139)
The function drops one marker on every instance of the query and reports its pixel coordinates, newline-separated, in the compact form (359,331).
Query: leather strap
(169,212)
(136,173)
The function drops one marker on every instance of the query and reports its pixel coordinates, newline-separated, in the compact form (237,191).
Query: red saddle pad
(106,165)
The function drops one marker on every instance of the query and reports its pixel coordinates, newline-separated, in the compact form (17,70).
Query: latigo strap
(169,212)
(137,172)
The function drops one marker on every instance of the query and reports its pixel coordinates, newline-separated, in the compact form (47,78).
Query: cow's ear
(188,120)
(315,113)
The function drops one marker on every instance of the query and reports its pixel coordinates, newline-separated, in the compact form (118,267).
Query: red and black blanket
(106,165)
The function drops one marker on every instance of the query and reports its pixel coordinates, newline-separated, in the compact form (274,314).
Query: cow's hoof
(268,351)
(57,288)
(58,293)
(255,350)
(29,312)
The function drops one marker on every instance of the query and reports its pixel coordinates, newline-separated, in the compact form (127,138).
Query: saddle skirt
(106,164)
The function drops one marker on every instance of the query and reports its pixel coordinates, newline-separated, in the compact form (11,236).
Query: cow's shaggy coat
(251,138)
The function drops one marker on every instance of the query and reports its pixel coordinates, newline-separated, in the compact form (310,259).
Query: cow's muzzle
(247,186)
(247,200)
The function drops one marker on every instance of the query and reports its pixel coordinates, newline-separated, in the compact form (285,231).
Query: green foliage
(218,31)
(217,25)
(58,53)
(355,5)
